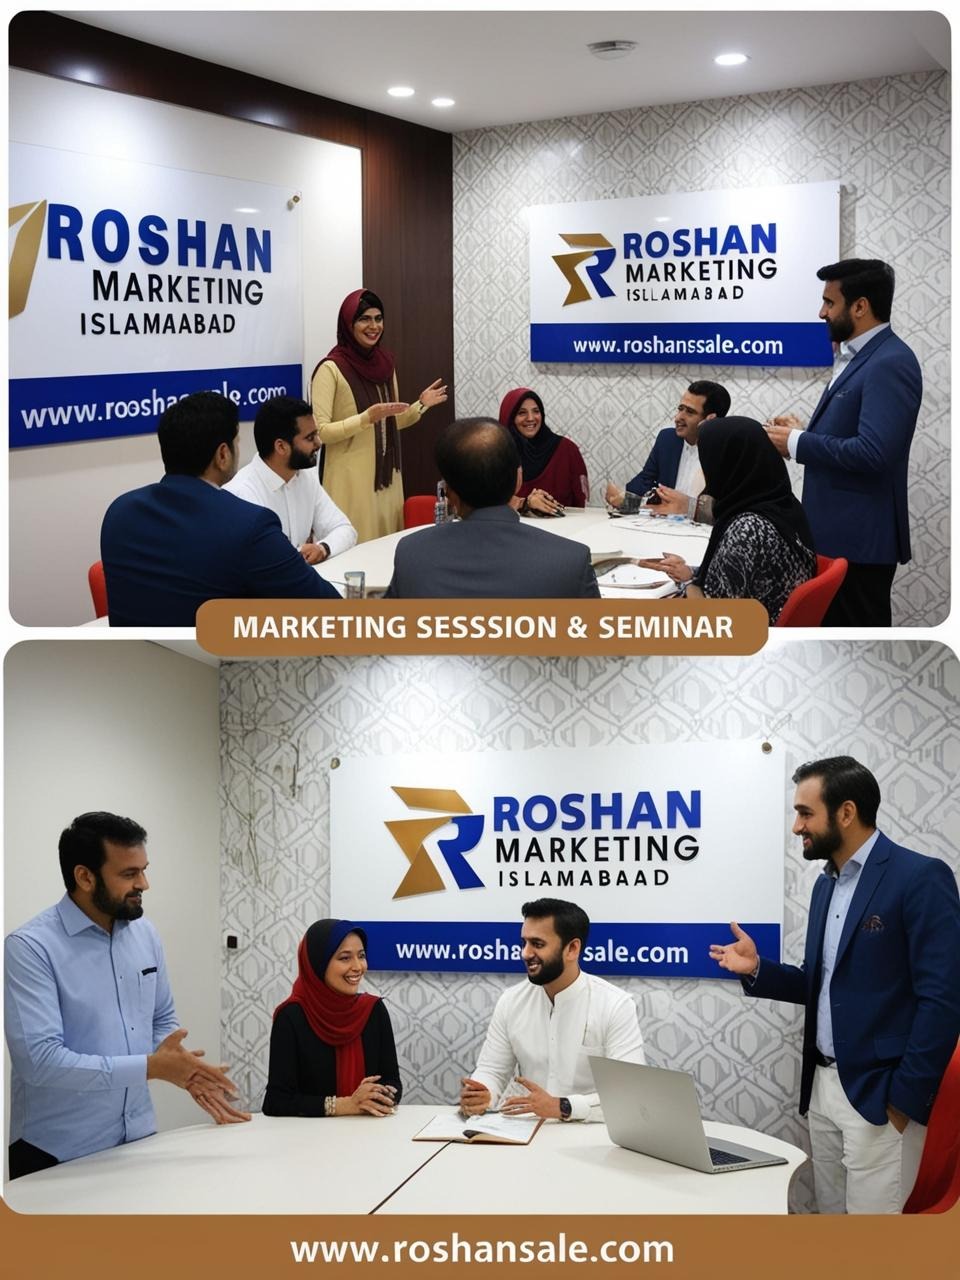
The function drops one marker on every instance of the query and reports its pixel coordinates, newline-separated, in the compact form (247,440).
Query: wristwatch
(326,549)
(566,1111)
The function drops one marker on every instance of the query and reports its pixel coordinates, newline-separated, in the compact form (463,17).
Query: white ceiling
(508,67)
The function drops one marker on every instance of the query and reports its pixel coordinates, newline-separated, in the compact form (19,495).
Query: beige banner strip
(548,628)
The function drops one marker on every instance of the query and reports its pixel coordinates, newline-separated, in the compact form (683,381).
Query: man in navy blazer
(856,447)
(880,982)
(170,546)
(673,457)
(489,552)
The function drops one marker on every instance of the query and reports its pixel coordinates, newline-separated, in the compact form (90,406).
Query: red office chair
(98,589)
(418,510)
(937,1187)
(807,603)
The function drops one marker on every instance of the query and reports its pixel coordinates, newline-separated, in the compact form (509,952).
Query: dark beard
(114,908)
(549,971)
(825,846)
(300,461)
(841,328)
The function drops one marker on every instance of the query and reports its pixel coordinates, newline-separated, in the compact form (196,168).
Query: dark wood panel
(413,247)
(61,47)
(407,184)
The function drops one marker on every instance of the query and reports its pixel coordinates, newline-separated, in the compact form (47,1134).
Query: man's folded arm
(331,526)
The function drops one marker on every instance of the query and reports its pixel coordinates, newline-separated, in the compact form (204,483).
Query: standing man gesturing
(880,980)
(88,1012)
(856,446)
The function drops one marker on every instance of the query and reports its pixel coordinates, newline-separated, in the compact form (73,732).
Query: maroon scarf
(336,1019)
(535,454)
(369,374)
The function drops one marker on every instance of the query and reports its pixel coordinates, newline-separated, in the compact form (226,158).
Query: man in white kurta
(544,1031)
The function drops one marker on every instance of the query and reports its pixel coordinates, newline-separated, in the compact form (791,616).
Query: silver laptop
(655,1112)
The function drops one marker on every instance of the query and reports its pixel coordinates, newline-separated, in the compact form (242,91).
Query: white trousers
(858,1167)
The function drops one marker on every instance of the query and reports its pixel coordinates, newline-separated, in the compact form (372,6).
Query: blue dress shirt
(83,1008)
(843,890)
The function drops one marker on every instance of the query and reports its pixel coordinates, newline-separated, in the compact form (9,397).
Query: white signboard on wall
(661,845)
(707,277)
(132,285)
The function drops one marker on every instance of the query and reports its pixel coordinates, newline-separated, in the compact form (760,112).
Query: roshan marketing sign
(661,845)
(138,285)
(710,277)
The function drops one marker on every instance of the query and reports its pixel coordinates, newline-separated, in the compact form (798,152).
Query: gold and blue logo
(410,834)
(26,248)
(587,245)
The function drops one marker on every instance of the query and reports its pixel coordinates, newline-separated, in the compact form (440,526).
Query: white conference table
(639,537)
(354,1164)
(599,1177)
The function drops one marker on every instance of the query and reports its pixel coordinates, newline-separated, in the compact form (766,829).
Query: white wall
(58,493)
(128,727)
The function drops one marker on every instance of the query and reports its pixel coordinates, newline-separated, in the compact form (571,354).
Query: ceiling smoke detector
(609,49)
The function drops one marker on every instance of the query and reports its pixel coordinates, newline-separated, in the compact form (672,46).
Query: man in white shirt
(543,1032)
(283,478)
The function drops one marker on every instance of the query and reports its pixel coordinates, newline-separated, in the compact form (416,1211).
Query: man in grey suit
(489,552)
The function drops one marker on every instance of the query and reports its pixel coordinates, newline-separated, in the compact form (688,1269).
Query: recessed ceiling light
(401,91)
(442,102)
(609,49)
(731,59)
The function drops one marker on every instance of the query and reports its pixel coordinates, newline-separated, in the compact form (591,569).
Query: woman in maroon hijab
(554,472)
(359,416)
(331,1048)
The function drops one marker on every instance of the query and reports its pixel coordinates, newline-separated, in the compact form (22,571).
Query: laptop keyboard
(725,1157)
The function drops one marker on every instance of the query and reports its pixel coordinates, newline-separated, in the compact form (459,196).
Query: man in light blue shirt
(88,1011)
(880,981)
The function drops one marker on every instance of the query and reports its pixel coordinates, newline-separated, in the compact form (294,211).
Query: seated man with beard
(283,478)
(543,1031)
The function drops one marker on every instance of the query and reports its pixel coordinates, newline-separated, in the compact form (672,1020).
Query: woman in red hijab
(331,1048)
(554,472)
(359,415)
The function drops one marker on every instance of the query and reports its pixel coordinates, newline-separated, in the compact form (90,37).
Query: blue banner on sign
(630,950)
(98,406)
(756,344)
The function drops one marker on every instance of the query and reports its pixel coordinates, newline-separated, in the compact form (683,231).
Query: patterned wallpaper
(887,141)
(892,704)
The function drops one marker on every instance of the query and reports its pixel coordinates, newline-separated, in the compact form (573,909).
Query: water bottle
(440,513)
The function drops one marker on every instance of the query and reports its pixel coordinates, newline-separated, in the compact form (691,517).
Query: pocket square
(873,925)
